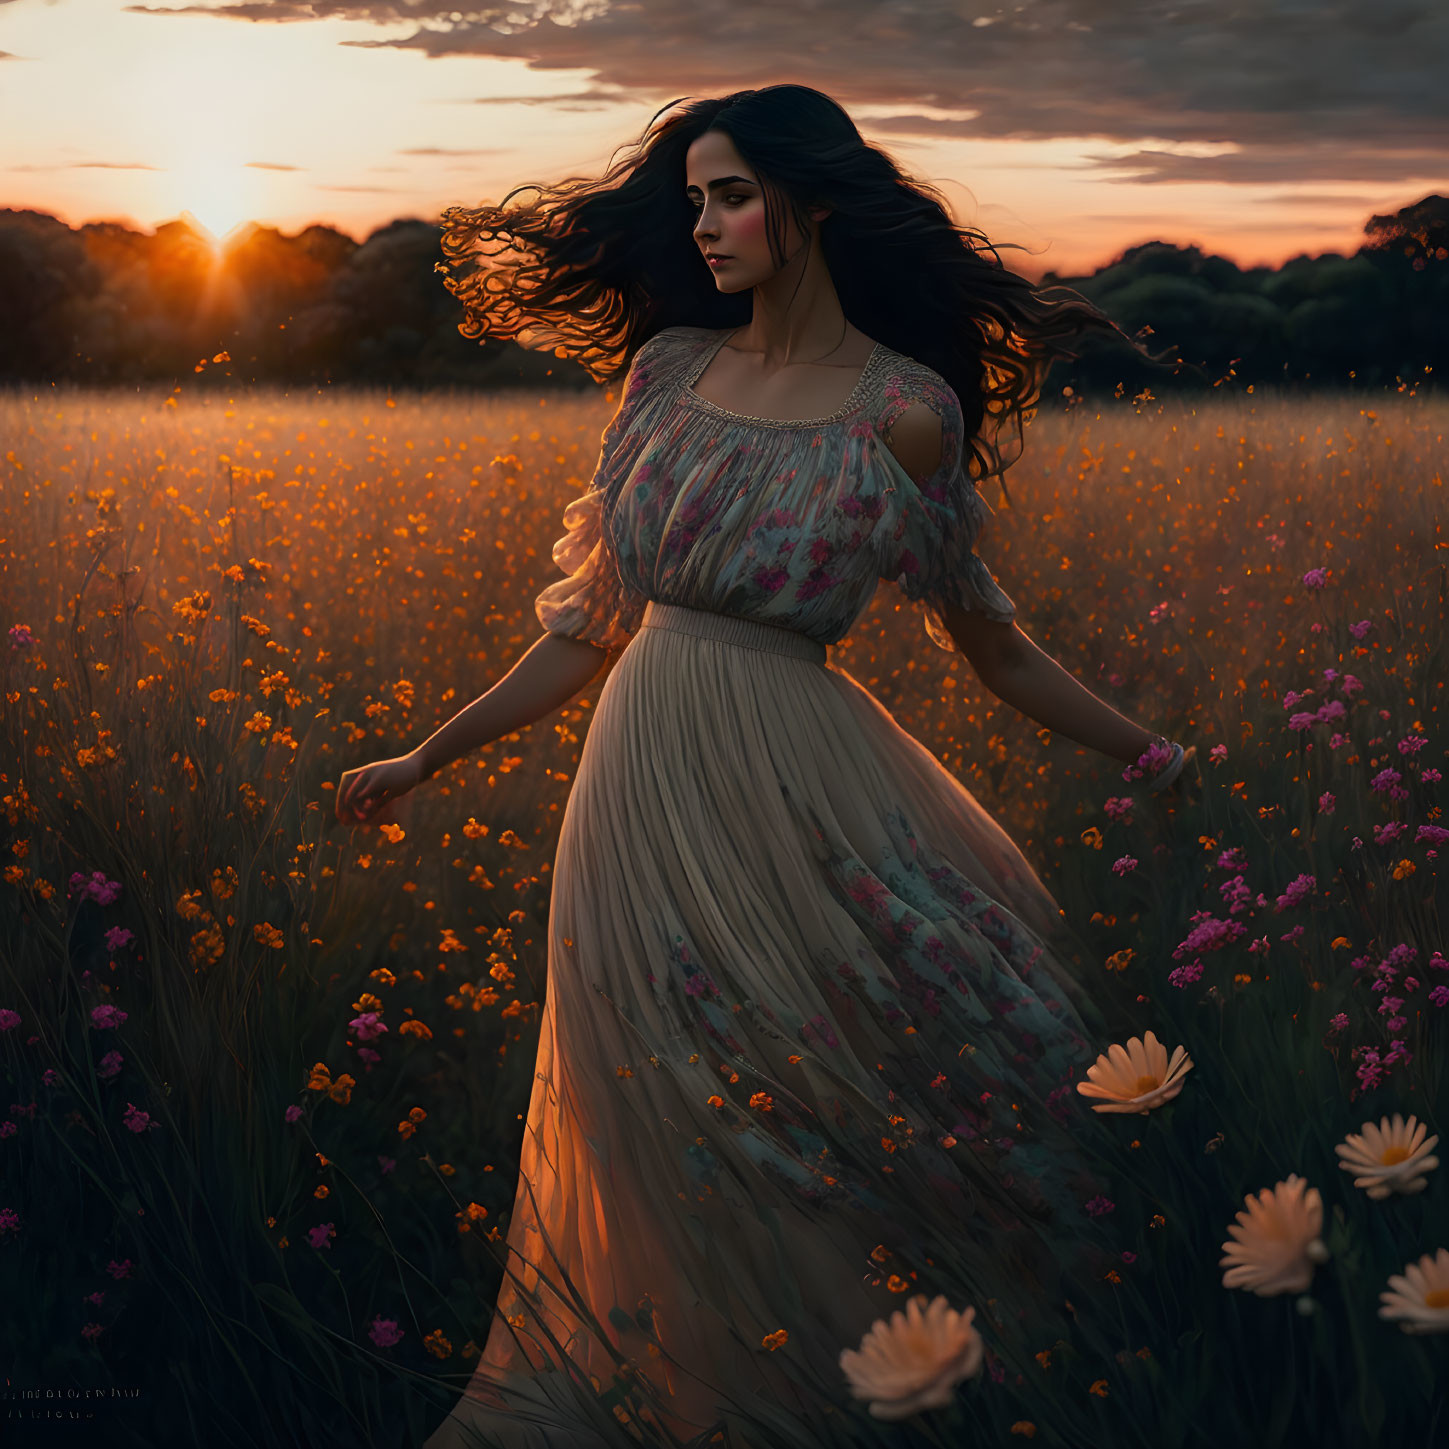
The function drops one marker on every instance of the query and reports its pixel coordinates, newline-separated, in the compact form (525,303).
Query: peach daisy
(1419,1296)
(1390,1157)
(1274,1241)
(916,1360)
(1137,1077)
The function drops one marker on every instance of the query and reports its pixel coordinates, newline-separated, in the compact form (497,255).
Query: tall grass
(265,1074)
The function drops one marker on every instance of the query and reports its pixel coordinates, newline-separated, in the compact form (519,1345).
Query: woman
(808,1033)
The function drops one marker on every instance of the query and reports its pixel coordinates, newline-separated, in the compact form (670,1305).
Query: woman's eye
(733,196)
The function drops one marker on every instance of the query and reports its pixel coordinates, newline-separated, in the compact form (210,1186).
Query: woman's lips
(716,261)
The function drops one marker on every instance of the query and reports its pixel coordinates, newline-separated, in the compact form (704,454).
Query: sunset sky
(1072,127)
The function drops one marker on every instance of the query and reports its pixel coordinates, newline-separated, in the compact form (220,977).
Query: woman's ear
(819,213)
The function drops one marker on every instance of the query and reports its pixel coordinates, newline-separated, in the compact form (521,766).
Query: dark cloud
(1325,198)
(1305,89)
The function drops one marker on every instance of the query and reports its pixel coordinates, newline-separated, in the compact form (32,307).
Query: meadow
(262,1075)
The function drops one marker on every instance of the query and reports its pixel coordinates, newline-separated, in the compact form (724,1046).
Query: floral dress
(810,1036)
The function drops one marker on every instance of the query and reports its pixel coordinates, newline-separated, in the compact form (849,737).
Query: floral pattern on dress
(788,524)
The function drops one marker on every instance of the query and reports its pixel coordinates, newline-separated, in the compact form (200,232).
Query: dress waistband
(732,629)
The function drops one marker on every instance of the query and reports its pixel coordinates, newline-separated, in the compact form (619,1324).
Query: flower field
(262,1074)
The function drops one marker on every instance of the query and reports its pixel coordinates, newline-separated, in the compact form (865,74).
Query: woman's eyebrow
(722,181)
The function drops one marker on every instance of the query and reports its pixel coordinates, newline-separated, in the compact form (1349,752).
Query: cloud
(85,165)
(455,151)
(1302,89)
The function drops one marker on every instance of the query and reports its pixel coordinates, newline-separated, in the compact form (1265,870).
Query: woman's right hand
(365,793)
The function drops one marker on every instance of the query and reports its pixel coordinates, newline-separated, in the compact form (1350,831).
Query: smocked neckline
(851,405)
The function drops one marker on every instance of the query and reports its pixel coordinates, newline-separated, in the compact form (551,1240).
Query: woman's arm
(549,675)
(1022,675)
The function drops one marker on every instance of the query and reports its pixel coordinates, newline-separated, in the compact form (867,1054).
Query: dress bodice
(787,522)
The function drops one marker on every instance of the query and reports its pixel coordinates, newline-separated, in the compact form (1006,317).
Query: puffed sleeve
(929,548)
(593,603)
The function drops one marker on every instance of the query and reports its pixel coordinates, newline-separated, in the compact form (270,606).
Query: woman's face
(729,209)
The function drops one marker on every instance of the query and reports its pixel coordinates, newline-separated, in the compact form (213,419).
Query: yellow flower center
(1146,1084)
(1395,1155)
(1439,1298)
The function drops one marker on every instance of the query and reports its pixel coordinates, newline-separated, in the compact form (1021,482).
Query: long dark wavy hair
(593,268)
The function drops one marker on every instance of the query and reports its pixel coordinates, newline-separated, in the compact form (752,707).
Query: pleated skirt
(808,1047)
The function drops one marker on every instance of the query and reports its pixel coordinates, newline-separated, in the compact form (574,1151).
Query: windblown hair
(594,268)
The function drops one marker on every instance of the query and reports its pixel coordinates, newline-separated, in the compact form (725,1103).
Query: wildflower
(1298,890)
(1208,934)
(320,1235)
(1370,1070)
(1419,1296)
(384,1332)
(1118,807)
(1327,803)
(1100,1205)
(1390,1157)
(1137,1077)
(1387,834)
(367,1026)
(915,1360)
(9,1020)
(117,937)
(292,1113)
(1123,864)
(135,1119)
(1149,762)
(97,888)
(1237,894)
(1339,1022)
(1315,578)
(1275,1242)
(21,637)
(104,1017)
(1361,628)
(1218,754)
(109,1065)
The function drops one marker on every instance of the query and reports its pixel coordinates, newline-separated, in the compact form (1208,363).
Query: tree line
(102,304)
